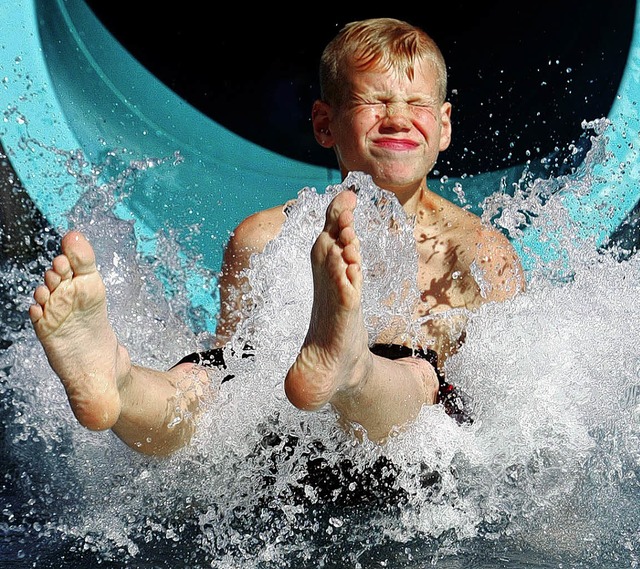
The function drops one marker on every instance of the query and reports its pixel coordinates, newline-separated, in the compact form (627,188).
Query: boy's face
(390,127)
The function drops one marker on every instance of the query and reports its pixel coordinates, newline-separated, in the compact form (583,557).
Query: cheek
(364,119)
(352,129)
(429,126)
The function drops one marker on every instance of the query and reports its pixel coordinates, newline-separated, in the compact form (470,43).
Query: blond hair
(384,43)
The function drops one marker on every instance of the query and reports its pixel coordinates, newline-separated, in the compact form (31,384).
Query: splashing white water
(550,467)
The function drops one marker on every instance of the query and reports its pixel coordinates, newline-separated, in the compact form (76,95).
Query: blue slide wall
(68,84)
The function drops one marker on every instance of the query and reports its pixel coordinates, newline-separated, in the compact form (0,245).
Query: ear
(321,120)
(445,120)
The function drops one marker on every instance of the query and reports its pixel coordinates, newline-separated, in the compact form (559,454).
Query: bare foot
(335,354)
(70,320)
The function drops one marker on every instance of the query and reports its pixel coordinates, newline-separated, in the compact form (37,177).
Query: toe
(41,296)
(52,280)
(35,313)
(62,266)
(79,253)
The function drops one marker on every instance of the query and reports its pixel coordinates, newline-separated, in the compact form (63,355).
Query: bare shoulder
(498,262)
(251,236)
(259,228)
(489,252)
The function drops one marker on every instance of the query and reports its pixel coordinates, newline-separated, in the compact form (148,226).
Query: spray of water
(549,469)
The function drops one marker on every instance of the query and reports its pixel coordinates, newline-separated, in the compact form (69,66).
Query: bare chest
(445,275)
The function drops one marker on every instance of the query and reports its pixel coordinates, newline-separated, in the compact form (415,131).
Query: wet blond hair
(383,43)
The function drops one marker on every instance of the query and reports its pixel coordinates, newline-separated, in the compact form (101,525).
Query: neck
(411,197)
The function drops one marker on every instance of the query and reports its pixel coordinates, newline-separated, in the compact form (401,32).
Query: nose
(396,112)
(393,108)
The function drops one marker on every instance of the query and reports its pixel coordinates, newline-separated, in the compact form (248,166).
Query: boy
(383,112)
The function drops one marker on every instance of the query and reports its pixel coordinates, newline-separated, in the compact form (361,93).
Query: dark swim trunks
(210,358)
(455,402)
(343,482)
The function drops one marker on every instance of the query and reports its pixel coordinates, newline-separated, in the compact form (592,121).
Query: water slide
(561,488)
(70,92)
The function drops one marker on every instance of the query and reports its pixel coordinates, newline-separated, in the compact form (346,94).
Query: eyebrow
(383,97)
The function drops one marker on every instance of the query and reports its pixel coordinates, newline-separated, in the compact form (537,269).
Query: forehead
(396,81)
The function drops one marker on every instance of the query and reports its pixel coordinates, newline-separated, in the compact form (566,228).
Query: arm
(250,237)
(149,403)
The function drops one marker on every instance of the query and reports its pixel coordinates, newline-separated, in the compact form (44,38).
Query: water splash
(549,470)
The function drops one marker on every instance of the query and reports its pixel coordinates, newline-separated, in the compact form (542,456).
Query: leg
(335,364)
(105,390)
(70,320)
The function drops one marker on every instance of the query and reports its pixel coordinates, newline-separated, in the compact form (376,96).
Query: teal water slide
(68,84)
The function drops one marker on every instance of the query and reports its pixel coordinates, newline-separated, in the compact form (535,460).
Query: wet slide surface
(219,135)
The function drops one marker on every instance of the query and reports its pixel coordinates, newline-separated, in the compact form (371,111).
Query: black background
(522,78)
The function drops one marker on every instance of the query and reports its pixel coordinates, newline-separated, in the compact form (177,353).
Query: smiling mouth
(396,144)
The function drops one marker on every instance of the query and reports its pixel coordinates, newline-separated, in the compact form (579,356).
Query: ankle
(122,367)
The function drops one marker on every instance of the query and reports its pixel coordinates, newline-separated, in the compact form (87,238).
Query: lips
(396,144)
